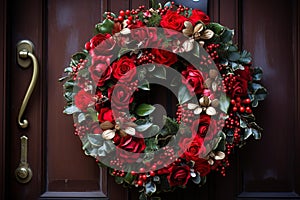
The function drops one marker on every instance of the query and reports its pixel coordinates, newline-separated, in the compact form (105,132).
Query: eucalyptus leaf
(144,109)
(81,117)
(150,188)
(224,103)
(234,56)
(95,139)
(257,74)
(256,134)
(197,179)
(71,110)
(159,72)
(184,94)
(144,85)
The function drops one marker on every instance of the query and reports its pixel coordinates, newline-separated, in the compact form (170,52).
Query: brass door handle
(23,172)
(24,57)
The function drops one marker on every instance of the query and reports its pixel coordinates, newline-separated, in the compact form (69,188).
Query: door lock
(23,172)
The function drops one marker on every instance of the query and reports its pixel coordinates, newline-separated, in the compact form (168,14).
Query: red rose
(202,166)
(198,15)
(96,40)
(192,148)
(137,24)
(105,114)
(193,79)
(200,126)
(83,100)
(173,20)
(100,70)
(133,146)
(164,57)
(122,66)
(108,47)
(147,35)
(120,96)
(240,83)
(179,175)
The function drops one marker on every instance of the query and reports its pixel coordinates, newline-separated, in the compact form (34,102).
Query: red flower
(179,175)
(120,96)
(108,47)
(164,57)
(100,70)
(83,99)
(193,79)
(133,146)
(202,166)
(147,35)
(201,126)
(96,40)
(137,24)
(198,15)
(192,147)
(105,114)
(122,66)
(172,20)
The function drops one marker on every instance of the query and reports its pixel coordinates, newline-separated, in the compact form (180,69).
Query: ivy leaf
(184,94)
(224,103)
(105,27)
(159,72)
(71,110)
(144,109)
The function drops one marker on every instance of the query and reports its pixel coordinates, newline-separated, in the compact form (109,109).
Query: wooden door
(266,169)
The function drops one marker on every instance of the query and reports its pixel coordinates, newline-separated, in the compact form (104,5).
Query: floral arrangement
(108,91)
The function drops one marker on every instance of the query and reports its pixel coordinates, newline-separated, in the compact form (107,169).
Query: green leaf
(119,180)
(245,57)
(227,35)
(144,127)
(144,110)
(224,103)
(95,139)
(129,178)
(184,94)
(69,84)
(260,94)
(216,28)
(78,56)
(105,27)
(154,4)
(234,56)
(196,179)
(144,85)
(150,188)
(159,72)
(93,113)
(71,110)
(143,196)
(151,131)
(257,74)
(81,117)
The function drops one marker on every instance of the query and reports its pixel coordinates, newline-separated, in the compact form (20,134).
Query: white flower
(205,106)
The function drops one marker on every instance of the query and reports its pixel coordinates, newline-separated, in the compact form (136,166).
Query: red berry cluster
(132,86)
(80,65)
(205,60)
(118,173)
(211,49)
(180,9)
(241,105)
(146,57)
(80,130)
(143,176)
(117,163)
(184,115)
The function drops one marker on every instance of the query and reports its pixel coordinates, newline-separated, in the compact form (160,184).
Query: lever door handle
(24,57)
(23,172)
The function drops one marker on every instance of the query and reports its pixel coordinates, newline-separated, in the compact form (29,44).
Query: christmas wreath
(110,83)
